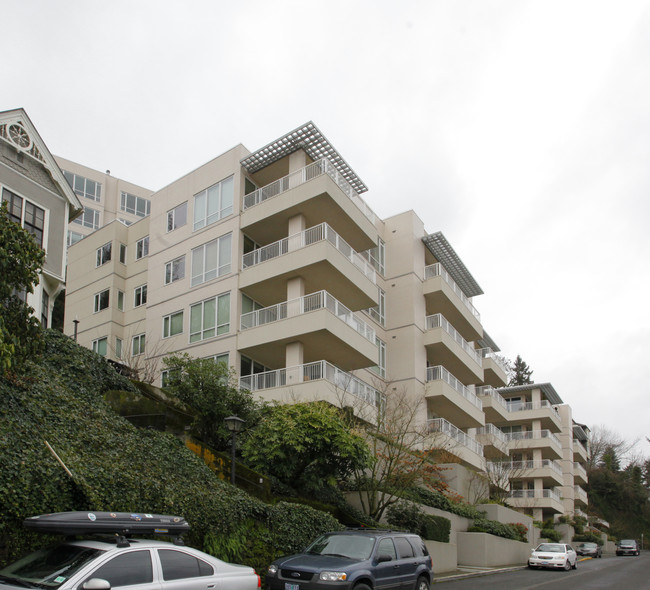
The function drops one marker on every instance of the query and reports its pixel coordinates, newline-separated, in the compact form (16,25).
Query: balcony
(495,443)
(580,496)
(525,412)
(579,451)
(445,344)
(456,442)
(447,396)
(318,255)
(548,471)
(546,499)
(325,326)
(494,406)
(579,473)
(305,382)
(319,193)
(443,295)
(536,439)
(495,370)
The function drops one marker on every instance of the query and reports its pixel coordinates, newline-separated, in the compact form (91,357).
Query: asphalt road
(610,572)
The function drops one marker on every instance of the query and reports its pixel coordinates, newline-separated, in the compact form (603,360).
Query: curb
(487,572)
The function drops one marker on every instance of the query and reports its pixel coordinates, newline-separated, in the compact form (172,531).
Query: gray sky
(520,129)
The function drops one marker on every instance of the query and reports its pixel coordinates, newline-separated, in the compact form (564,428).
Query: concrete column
(536,395)
(296,225)
(294,354)
(295,288)
(297,160)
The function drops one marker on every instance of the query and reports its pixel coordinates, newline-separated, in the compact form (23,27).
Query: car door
(131,570)
(408,563)
(572,556)
(387,574)
(184,571)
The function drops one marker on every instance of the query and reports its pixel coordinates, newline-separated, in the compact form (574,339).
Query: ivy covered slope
(115,466)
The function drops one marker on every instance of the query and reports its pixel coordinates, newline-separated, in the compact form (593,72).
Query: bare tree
(602,439)
(142,358)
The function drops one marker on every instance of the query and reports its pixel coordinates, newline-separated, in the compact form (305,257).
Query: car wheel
(532,567)
(575,564)
(362,587)
(422,584)
(567,565)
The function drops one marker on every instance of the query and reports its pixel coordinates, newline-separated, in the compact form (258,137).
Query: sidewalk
(473,572)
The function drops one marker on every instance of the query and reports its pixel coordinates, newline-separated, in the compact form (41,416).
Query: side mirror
(384,557)
(97,584)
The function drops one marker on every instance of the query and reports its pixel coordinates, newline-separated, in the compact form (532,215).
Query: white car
(553,555)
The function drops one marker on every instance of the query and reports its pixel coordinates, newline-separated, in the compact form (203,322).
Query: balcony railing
(318,168)
(545,493)
(346,382)
(439,321)
(580,493)
(442,425)
(515,468)
(489,391)
(488,353)
(523,406)
(534,435)
(494,431)
(303,305)
(305,238)
(437,270)
(441,374)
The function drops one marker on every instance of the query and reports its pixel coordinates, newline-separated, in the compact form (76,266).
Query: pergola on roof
(446,255)
(309,138)
(547,389)
(487,342)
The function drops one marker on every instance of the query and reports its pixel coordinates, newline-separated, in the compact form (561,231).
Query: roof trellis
(547,389)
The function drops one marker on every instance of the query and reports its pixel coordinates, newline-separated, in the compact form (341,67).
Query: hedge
(409,516)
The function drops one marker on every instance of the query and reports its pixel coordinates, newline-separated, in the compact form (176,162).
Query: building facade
(272,262)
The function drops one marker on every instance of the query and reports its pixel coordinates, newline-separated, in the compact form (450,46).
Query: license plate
(288,586)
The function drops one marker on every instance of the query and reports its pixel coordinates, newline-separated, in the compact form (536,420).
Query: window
(404,547)
(210,318)
(127,569)
(123,253)
(220,358)
(177,565)
(172,324)
(100,346)
(379,313)
(386,547)
(211,260)
(118,348)
(25,213)
(101,300)
(104,254)
(134,204)
(74,237)
(380,369)
(213,203)
(140,296)
(142,248)
(175,270)
(137,345)
(177,217)
(89,218)
(84,187)
(45,308)
(120,300)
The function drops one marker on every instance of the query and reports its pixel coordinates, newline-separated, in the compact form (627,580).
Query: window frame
(168,322)
(140,296)
(98,300)
(142,342)
(124,204)
(172,214)
(169,270)
(37,212)
(142,248)
(104,254)
(219,329)
(203,199)
(206,273)
(96,345)
(72,178)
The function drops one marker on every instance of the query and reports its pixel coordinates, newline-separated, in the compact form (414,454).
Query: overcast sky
(520,129)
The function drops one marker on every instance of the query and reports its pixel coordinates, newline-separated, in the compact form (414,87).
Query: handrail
(533,435)
(435,270)
(439,373)
(545,493)
(489,391)
(487,352)
(437,320)
(523,406)
(442,425)
(516,467)
(305,238)
(494,431)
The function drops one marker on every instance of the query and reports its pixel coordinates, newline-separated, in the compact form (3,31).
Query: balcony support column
(294,354)
(297,160)
(295,288)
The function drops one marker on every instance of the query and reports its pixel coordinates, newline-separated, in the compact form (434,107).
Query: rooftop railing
(494,431)
(314,170)
(437,270)
(346,382)
(544,493)
(318,233)
(441,374)
(439,321)
(534,435)
(523,406)
(303,305)
(488,353)
(489,391)
(445,427)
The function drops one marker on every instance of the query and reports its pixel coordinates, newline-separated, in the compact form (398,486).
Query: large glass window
(140,296)
(84,187)
(210,318)
(89,218)
(142,248)
(74,237)
(133,204)
(104,254)
(172,324)
(28,215)
(100,346)
(211,260)
(177,217)
(101,300)
(175,270)
(213,203)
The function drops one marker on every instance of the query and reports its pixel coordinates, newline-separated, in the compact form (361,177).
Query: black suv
(361,559)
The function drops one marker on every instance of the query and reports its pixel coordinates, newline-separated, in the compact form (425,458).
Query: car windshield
(627,542)
(48,568)
(550,548)
(350,546)
(589,545)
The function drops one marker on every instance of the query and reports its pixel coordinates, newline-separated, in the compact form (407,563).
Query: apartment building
(40,200)
(273,262)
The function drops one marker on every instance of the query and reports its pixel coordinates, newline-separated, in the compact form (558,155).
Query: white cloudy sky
(520,129)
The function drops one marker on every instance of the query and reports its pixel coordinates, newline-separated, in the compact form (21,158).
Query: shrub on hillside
(409,516)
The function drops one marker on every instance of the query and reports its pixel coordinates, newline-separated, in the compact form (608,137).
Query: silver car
(147,565)
(553,555)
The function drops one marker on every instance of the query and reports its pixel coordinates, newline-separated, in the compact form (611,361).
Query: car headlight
(333,576)
(273,569)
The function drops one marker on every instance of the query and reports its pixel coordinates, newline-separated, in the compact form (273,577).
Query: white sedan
(553,555)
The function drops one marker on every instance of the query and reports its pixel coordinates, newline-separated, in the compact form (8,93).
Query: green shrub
(438,500)
(587,538)
(507,531)
(409,516)
(551,535)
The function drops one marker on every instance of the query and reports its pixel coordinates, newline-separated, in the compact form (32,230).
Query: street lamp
(76,326)
(234,424)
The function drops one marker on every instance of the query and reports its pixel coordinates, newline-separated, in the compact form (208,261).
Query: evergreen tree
(521,373)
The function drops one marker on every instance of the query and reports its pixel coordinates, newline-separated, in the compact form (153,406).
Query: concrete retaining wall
(485,550)
(444,556)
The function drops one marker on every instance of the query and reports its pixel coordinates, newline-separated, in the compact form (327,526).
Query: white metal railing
(489,391)
(314,170)
(438,320)
(445,427)
(318,233)
(523,406)
(488,353)
(494,431)
(306,304)
(544,493)
(581,445)
(441,374)
(580,493)
(313,372)
(437,270)
(534,435)
(539,464)
(580,469)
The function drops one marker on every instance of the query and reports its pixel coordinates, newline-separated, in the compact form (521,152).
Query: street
(630,573)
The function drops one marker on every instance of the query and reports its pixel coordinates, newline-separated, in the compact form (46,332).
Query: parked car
(362,559)
(627,547)
(95,564)
(589,549)
(553,555)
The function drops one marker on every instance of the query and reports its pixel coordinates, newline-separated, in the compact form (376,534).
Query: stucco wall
(444,556)
(484,550)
